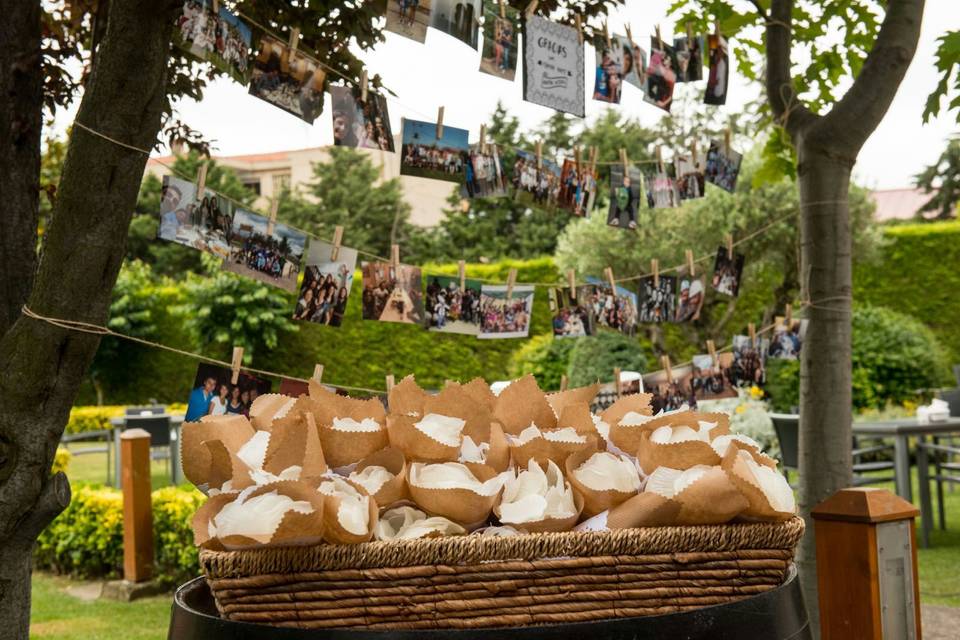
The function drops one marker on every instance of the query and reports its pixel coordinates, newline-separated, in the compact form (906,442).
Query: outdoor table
(176,421)
(901,431)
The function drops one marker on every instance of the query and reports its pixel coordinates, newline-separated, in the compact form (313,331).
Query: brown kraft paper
(547,524)
(453,401)
(676,455)
(594,501)
(498,456)
(265,408)
(333,531)
(541,450)
(521,404)
(578,416)
(224,466)
(713,499)
(479,390)
(407,397)
(643,510)
(232,430)
(463,506)
(636,402)
(395,489)
(759,507)
(585,395)
(415,444)
(295,443)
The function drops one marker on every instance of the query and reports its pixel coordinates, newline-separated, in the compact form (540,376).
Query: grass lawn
(92,468)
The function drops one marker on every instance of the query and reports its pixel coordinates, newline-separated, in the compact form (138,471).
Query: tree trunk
(42,365)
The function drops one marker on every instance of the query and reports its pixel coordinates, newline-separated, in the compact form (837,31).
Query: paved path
(939,622)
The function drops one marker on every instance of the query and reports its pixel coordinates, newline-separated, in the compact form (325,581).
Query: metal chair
(159,429)
(943,449)
(149,410)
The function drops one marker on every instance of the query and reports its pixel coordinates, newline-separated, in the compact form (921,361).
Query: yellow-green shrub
(61,460)
(93,418)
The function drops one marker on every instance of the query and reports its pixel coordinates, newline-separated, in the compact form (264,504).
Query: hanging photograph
(670,393)
(270,256)
(608,76)
(392,294)
(624,197)
(661,189)
(287,79)
(219,38)
(458,18)
(787,340)
(749,361)
(214,394)
(711,380)
(326,284)
(409,18)
(661,75)
(689,58)
(503,317)
(658,299)
(723,166)
(483,173)
(690,299)
(727,271)
(451,309)
(500,37)
(690,179)
(202,224)
(610,309)
(553,66)
(539,187)
(424,156)
(363,125)
(719,73)
(571,315)
(578,188)
(634,62)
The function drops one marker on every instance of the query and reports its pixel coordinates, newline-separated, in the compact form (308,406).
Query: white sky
(444,71)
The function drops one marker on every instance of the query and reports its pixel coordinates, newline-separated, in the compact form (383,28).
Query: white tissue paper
(602,427)
(444,429)
(670,435)
(453,475)
(720,444)
(351,425)
(535,495)
(354,506)
(407,523)
(256,518)
(669,482)
(567,434)
(604,471)
(634,419)
(774,486)
(372,478)
(253,453)
(470,451)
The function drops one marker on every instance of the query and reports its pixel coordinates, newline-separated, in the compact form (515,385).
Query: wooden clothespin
(439,124)
(363,86)
(659,39)
(202,179)
(726,141)
(390,382)
(729,240)
(655,269)
(608,272)
(579,23)
(690,263)
(539,154)
(271,223)
(665,363)
(462,270)
(483,138)
(532,7)
(606,35)
(629,34)
(511,281)
(593,160)
(659,159)
(693,153)
(235,364)
(395,256)
(689,35)
(788,315)
(752,332)
(712,350)
(215,5)
(503,10)
(625,161)
(617,382)
(576,157)
(337,239)
(563,382)
(318,373)
(716,27)
(294,40)
(572,283)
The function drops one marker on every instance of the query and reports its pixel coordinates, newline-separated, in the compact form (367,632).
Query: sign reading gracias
(553,66)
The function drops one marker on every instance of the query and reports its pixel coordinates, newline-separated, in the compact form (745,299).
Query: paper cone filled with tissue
(539,499)
(464,493)
(603,479)
(384,476)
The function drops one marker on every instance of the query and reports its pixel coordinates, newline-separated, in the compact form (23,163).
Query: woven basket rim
(473,549)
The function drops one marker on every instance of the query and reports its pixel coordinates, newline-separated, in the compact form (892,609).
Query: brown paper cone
(232,429)
(224,466)
(395,489)
(759,456)
(578,416)
(759,507)
(479,390)
(581,395)
(314,462)
(547,524)
(521,404)
(342,448)
(643,510)
(201,519)
(713,499)
(415,444)
(498,456)
(407,398)
(467,508)
(541,450)
(455,402)
(594,501)
(678,455)
(333,531)
(264,410)
(637,402)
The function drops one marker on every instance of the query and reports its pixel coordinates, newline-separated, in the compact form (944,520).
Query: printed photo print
(392,294)
(538,187)
(451,309)
(690,299)
(220,38)
(326,284)
(689,58)
(501,317)
(571,313)
(712,380)
(670,393)
(690,180)
(203,224)
(214,394)
(624,197)
(661,188)
(719,73)
(363,125)
(723,166)
(634,62)
(608,76)
(658,299)
(578,188)
(483,173)
(424,156)
(458,18)
(749,361)
(288,80)
(787,341)
(409,18)
(272,258)
(727,271)
(500,37)
(661,74)
(610,309)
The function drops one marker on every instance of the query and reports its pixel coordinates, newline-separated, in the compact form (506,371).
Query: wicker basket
(474,581)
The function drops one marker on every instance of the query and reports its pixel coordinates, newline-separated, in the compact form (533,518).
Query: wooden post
(137,509)
(867,566)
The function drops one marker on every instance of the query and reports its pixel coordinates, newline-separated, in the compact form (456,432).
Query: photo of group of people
(409,18)
(287,79)
(692,293)
(610,309)
(220,37)
(425,156)
(326,284)
(689,58)
(500,35)
(749,360)
(571,314)
(661,188)
(532,185)
(719,70)
(504,316)
(712,379)
(727,271)
(661,74)
(578,187)
(458,18)
(203,224)
(624,197)
(672,391)
(690,179)
(213,393)
(484,174)
(359,124)
(723,166)
(658,297)
(787,340)
(452,309)
(392,293)
(608,79)
(265,252)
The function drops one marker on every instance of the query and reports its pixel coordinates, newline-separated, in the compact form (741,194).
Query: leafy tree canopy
(942,180)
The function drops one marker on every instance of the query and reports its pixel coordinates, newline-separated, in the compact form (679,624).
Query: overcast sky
(444,71)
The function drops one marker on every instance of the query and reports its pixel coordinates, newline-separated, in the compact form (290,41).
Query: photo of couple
(692,291)
(610,309)
(392,294)
(727,271)
(661,74)
(689,58)
(287,79)
(424,156)
(570,318)
(458,18)
(214,395)
(501,30)
(409,18)
(220,38)
(657,298)
(535,186)
(787,341)
(363,125)
(271,256)
(326,285)
(204,225)
(690,180)
(748,361)
(503,317)
(451,309)
(484,174)
(723,166)
(578,187)
(608,79)
(634,62)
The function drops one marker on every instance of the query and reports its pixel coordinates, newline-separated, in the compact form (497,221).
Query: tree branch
(760,10)
(859,112)
(792,114)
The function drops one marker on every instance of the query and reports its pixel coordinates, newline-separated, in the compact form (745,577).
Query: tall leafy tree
(941,181)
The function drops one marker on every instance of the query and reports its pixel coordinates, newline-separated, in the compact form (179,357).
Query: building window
(253,184)
(281,182)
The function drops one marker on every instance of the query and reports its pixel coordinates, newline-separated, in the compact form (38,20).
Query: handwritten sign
(553,66)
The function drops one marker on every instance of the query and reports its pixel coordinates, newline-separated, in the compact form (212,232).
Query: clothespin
(752,332)
(712,350)
(659,158)
(235,363)
(337,239)
(274,205)
(395,256)
(665,363)
(689,35)
(511,280)
(532,7)
(693,153)
(363,86)
(503,10)
(729,240)
(625,161)
(563,382)
(579,23)
(659,39)
(390,382)
(576,157)
(629,34)
(439,123)
(617,382)
(608,272)
(215,5)
(606,35)
(318,373)
(593,160)
(788,315)
(483,138)
(572,282)
(539,154)
(202,179)
(462,269)
(294,40)
(726,141)
(690,268)
(716,27)
(655,268)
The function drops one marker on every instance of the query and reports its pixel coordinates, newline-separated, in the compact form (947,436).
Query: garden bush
(546,358)
(93,418)
(595,357)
